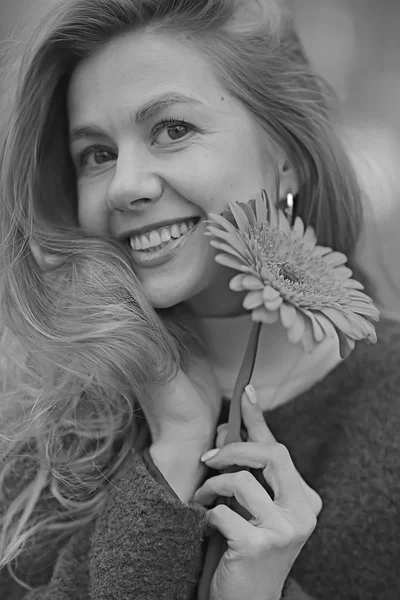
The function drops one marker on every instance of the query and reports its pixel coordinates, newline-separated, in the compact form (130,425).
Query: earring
(288,210)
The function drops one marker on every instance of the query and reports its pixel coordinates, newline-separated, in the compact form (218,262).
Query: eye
(95,156)
(171,130)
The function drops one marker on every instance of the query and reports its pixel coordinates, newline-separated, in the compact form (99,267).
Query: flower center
(291,273)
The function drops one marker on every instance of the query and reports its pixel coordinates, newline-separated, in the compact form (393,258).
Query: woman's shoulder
(388,332)
(376,364)
(360,395)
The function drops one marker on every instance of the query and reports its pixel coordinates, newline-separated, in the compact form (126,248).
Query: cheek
(235,173)
(92,209)
(209,183)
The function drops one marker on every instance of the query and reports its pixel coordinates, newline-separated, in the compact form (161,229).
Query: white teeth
(144,242)
(175,231)
(155,239)
(135,243)
(165,235)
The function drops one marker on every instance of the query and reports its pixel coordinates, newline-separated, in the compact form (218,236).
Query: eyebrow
(157,105)
(148,111)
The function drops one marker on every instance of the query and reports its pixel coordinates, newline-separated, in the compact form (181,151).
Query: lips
(159,237)
(163,252)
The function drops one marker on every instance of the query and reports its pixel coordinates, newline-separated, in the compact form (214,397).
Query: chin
(164,303)
(172,294)
(163,298)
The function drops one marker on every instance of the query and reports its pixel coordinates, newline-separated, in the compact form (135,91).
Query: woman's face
(158,144)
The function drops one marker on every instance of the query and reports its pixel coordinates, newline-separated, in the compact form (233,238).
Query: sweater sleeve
(148,544)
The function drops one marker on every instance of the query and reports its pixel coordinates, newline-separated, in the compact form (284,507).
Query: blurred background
(355,44)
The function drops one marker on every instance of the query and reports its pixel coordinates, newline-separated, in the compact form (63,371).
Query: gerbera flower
(287,276)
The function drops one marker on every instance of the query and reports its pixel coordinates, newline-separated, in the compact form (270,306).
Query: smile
(156,247)
(156,239)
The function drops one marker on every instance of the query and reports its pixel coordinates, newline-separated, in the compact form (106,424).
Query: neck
(282,369)
(217,300)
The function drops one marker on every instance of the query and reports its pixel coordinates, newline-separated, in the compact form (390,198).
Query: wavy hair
(88,339)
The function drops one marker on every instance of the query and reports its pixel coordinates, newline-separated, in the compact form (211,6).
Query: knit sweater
(343,437)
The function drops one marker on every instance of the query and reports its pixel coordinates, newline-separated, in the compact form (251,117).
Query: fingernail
(209,455)
(251,394)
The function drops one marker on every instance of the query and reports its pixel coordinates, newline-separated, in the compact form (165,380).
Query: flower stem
(217,543)
(243,379)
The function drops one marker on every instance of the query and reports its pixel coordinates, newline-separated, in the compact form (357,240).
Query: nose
(135,184)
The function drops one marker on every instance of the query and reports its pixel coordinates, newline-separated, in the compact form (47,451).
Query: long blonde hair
(89,340)
(89,345)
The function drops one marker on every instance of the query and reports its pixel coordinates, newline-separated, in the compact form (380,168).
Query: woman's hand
(260,552)
(182,416)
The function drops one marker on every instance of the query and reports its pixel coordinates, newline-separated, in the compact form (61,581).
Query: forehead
(137,66)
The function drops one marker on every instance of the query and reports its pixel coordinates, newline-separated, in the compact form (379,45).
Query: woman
(133,121)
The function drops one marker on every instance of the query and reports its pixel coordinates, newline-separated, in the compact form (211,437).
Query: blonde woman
(132,121)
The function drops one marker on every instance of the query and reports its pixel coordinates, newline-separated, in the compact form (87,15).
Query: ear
(46,262)
(288,180)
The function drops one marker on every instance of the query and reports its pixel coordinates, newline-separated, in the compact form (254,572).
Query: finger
(221,435)
(253,418)
(222,432)
(243,454)
(313,498)
(232,526)
(258,456)
(283,477)
(248,492)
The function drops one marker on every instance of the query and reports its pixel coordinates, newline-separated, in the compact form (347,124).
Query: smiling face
(158,144)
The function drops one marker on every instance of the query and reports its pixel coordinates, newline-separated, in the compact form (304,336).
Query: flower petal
(359,327)
(266,211)
(260,315)
(308,339)
(249,212)
(298,227)
(362,327)
(317,331)
(354,284)
(239,216)
(221,222)
(232,263)
(288,315)
(296,332)
(232,237)
(253,300)
(236,284)
(326,325)
(283,223)
(343,272)
(321,250)
(346,345)
(368,310)
(229,250)
(335,259)
(270,294)
(273,304)
(309,237)
(251,282)
(338,318)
